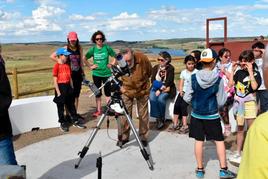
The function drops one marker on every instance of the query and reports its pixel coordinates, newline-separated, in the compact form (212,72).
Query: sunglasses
(97,39)
(161,60)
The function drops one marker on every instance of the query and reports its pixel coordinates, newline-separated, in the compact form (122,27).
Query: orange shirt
(62,72)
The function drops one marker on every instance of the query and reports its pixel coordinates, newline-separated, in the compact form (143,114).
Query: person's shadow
(66,169)
(210,152)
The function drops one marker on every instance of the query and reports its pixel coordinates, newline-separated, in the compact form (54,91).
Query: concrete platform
(172,155)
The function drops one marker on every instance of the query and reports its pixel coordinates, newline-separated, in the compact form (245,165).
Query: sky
(130,20)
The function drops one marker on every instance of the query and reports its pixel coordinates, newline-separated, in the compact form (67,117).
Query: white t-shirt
(259,62)
(186,76)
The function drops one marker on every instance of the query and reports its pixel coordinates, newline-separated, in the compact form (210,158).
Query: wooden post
(15,83)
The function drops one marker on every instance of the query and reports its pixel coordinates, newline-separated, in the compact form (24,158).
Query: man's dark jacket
(5,101)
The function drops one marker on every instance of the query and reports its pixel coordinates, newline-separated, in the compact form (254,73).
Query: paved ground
(172,156)
(50,153)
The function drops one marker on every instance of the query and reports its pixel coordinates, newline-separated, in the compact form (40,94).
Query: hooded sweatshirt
(206,79)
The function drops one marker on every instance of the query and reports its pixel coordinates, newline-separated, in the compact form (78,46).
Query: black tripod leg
(99,166)
(93,134)
(143,150)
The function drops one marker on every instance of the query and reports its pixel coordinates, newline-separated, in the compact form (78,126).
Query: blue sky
(51,20)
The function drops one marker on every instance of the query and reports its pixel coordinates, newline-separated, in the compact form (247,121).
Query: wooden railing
(15,87)
(15,72)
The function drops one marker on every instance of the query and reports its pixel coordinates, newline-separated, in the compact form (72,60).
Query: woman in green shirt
(101,71)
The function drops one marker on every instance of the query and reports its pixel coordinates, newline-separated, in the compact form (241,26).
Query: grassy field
(29,56)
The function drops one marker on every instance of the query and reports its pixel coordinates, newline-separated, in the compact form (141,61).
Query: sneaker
(96,113)
(184,130)
(64,127)
(199,173)
(159,124)
(173,128)
(235,159)
(80,117)
(79,124)
(226,174)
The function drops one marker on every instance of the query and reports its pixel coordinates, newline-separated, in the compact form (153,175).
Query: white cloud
(46,11)
(262,21)
(166,22)
(215,27)
(263,1)
(8,15)
(125,21)
(125,15)
(42,19)
(80,17)
(47,2)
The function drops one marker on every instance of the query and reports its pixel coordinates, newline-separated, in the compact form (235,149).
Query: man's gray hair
(125,50)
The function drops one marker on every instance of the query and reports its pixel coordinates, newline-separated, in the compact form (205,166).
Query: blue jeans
(262,97)
(7,155)
(158,105)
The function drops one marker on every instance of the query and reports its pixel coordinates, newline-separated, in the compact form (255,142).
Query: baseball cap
(208,55)
(62,51)
(72,36)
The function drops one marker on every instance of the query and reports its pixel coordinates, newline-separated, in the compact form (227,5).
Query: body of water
(172,52)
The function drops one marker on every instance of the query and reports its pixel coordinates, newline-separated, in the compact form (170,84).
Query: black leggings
(98,81)
(180,107)
(67,99)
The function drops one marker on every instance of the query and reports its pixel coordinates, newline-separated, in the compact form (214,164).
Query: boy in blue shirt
(206,94)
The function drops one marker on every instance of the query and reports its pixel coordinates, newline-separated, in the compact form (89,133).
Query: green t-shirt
(101,58)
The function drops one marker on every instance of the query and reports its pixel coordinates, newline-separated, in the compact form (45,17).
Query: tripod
(116,99)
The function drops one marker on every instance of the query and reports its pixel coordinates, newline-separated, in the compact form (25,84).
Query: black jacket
(169,79)
(5,101)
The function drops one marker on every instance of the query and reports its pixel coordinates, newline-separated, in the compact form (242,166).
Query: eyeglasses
(97,39)
(161,59)
(226,56)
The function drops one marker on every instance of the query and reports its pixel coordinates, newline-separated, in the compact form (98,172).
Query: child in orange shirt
(64,90)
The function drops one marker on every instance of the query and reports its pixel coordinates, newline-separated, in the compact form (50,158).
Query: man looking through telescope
(136,86)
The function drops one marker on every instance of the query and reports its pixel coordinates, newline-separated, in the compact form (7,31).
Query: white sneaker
(235,159)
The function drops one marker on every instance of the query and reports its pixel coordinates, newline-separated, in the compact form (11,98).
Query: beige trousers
(142,105)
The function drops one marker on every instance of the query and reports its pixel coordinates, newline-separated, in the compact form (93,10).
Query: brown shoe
(173,128)
(120,143)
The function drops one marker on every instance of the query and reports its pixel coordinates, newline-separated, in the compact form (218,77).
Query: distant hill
(186,44)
